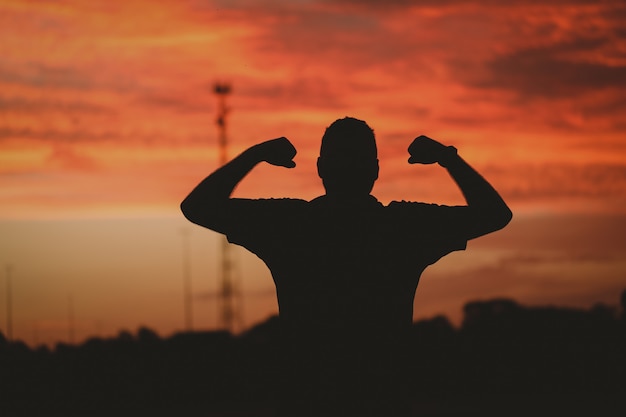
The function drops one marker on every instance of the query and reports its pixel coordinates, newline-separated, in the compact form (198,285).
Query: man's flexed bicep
(208,204)
(486,211)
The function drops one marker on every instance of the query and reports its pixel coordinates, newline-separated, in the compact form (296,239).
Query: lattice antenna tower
(229,296)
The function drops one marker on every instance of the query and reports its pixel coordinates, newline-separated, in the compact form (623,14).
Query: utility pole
(187,294)
(228,291)
(35,333)
(70,319)
(9,271)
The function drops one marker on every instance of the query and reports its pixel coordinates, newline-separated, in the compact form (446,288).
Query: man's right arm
(486,210)
(208,204)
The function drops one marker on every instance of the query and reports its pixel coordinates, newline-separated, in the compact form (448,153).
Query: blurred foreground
(504,360)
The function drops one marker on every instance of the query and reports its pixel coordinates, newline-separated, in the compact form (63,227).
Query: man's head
(348,163)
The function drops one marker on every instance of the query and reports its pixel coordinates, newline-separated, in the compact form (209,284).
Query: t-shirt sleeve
(437,229)
(253,223)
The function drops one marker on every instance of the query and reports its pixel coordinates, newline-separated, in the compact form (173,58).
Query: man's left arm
(487,211)
(209,204)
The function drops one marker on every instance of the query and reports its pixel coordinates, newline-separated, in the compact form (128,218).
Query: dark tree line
(505,360)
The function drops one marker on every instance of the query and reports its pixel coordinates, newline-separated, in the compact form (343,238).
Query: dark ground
(505,360)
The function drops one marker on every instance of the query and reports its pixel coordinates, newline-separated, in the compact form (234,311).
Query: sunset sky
(107,121)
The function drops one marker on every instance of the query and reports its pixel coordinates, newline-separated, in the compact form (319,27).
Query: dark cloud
(315,92)
(614,104)
(41,75)
(112,135)
(331,36)
(536,73)
(399,4)
(539,72)
(83,136)
(20,104)
(474,119)
(50,135)
(522,182)
(200,102)
(309,34)
(341,37)
(592,116)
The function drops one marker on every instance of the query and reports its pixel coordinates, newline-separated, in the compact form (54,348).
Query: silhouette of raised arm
(209,199)
(487,211)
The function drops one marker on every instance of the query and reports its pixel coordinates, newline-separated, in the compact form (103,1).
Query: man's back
(345,275)
(345,262)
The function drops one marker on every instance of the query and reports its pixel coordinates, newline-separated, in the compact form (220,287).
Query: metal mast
(187,294)
(9,287)
(70,319)
(228,291)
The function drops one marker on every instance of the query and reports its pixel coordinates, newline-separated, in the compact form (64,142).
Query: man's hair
(348,137)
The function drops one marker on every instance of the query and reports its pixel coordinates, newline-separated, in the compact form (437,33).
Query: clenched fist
(425,150)
(279,152)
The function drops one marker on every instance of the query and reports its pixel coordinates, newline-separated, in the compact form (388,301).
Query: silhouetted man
(345,266)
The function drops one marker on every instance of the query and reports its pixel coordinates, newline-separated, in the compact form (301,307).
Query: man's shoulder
(269,201)
(415,205)
(419,205)
(266,207)
(426,210)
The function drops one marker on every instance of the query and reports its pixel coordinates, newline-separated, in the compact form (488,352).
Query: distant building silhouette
(550,361)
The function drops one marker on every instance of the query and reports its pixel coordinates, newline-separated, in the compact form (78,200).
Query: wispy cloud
(496,79)
(547,72)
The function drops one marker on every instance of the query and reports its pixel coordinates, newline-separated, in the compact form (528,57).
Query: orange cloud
(512,86)
(107,110)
